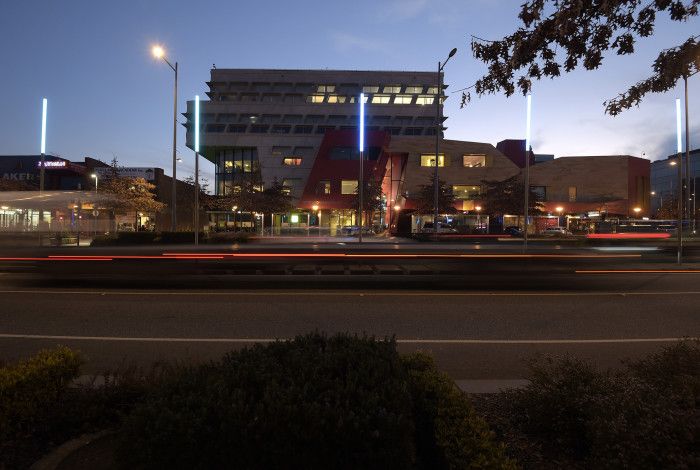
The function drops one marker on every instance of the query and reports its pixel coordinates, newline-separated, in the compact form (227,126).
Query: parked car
(354,231)
(513,231)
(556,231)
(442,228)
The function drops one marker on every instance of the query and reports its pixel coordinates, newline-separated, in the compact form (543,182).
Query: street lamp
(159,53)
(526,182)
(637,210)
(478,217)
(679,148)
(438,134)
(688,173)
(196,170)
(361,145)
(94,175)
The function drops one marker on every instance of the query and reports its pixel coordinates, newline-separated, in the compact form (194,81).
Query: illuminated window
(291,161)
(572,193)
(370,89)
(474,161)
(381,99)
(348,186)
(323,187)
(425,99)
(337,98)
(392,89)
(462,191)
(326,88)
(414,89)
(315,98)
(403,99)
(432,90)
(429,160)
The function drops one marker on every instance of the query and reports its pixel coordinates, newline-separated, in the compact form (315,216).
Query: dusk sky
(108,96)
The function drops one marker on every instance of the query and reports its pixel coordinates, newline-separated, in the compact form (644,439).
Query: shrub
(136,238)
(32,387)
(229,237)
(312,403)
(449,434)
(642,417)
(104,240)
(309,403)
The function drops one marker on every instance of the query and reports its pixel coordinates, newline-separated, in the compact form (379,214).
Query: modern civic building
(300,128)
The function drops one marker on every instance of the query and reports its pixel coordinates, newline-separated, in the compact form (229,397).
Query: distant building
(611,184)
(664,180)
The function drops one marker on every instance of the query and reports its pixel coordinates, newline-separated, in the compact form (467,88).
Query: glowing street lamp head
(362,122)
(637,210)
(44,104)
(397,207)
(196,123)
(559,208)
(478,208)
(94,175)
(314,207)
(158,52)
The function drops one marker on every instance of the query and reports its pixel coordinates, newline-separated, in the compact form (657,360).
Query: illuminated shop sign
(53,164)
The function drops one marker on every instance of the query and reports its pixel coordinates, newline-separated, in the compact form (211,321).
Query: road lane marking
(399,341)
(351,294)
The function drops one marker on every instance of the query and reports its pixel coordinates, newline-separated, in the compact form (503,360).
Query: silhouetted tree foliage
(508,197)
(563,34)
(426,198)
(371,197)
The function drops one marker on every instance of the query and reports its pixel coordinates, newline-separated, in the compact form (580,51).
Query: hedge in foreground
(312,403)
(643,417)
(32,387)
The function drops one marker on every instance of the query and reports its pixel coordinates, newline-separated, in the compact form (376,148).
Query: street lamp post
(526,182)
(478,218)
(94,206)
(44,104)
(559,210)
(360,189)
(679,148)
(438,134)
(159,53)
(196,170)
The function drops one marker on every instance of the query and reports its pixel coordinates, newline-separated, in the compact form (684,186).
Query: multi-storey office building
(300,128)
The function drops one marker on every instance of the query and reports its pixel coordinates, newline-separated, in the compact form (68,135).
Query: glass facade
(232,164)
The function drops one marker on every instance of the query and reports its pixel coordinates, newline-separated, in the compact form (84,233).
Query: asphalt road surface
(474,331)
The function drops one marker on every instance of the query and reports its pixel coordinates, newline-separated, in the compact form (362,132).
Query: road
(473,331)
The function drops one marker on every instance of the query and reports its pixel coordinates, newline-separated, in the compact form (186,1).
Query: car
(442,228)
(513,231)
(354,231)
(556,231)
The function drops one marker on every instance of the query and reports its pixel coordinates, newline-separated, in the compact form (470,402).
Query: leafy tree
(668,209)
(129,195)
(276,199)
(248,196)
(371,197)
(426,198)
(562,34)
(508,196)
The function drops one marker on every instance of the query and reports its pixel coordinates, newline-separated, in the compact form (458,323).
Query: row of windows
(309,129)
(372,99)
(245,119)
(348,88)
(323,187)
(468,161)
